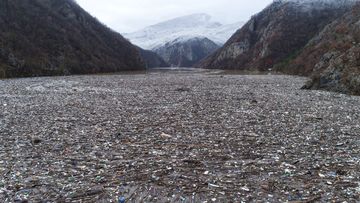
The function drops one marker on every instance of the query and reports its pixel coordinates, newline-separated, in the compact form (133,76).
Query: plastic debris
(121,199)
(227,138)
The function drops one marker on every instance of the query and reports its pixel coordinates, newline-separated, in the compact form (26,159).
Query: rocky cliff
(185,52)
(276,34)
(55,37)
(333,57)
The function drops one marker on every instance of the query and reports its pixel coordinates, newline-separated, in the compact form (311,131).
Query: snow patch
(183,28)
(318,4)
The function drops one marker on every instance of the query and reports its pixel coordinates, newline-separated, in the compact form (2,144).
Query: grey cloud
(130,15)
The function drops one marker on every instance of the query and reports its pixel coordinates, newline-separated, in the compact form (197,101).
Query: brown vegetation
(55,37)
(332,58)
(273,37)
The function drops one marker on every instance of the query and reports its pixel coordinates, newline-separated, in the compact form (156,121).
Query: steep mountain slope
(276,34)
(52,37)
(186,51)
(192,25)
(184,41)
(333,57)
(152,59)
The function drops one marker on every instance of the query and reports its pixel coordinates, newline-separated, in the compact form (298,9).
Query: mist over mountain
(186,51)
(191,25)
(56,37)
(152,59)
(173,39)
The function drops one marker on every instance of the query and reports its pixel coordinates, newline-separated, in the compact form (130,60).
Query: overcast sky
(131,15)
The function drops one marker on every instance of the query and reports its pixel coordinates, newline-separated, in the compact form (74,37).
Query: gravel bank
(177,137)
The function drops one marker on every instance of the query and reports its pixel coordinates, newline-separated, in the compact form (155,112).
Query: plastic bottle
(121,199)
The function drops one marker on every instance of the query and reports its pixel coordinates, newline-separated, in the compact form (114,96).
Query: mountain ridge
(159,34)
(275,34)
(185,40)
(333,56)
(185,52)
(58,37)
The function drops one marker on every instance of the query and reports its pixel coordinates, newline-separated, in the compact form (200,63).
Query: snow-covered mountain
(186,27)
(186,51)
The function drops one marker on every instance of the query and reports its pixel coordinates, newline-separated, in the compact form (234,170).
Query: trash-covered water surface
(184,137)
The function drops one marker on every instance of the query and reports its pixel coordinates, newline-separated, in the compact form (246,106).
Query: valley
(179,101)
